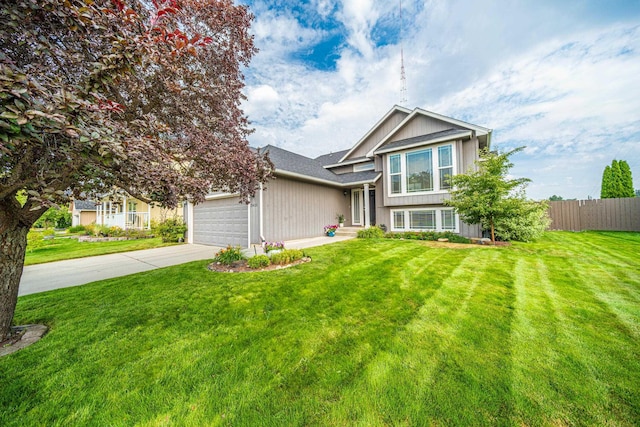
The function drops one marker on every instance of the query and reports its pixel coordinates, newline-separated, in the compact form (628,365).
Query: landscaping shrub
(374,232)
(35,240)
(54,217)
(172,230)
(77,229)
(287,256)
(529,225)
(229,255)
(428,235)
(258,261)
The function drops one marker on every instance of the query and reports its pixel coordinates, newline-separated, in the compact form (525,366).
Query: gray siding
(342,169)
(421,125)
(468,155)
(295,209)
(383,130)
(221,222)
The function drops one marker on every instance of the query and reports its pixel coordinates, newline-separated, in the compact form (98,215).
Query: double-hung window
(395,173)
(421,170)
(445,165)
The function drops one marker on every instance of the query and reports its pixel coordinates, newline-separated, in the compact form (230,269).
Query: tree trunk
(13,244)
(493,233)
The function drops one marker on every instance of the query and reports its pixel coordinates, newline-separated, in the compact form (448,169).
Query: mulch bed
(242,267)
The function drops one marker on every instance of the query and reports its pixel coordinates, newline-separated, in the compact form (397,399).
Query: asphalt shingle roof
(84,205)
(423,138)
(287,161)
(331,158)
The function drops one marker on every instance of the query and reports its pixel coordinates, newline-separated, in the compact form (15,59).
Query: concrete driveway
(74,272)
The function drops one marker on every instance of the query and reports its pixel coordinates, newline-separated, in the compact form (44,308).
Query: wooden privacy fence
(598,214)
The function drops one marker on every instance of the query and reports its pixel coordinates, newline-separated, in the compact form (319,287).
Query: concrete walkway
(74,272)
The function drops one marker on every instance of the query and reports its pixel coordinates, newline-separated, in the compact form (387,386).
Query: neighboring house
(396,175)
(122,211)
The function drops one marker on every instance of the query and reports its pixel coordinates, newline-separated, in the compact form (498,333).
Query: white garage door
(221,222)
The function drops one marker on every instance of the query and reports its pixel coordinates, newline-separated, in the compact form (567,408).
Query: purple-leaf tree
(130,94)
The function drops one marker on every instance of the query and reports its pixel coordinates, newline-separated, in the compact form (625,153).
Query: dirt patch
(450,245)
(21,337)
(242,267)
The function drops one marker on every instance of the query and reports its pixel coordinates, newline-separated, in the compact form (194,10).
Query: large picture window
(420,219)
(421,171)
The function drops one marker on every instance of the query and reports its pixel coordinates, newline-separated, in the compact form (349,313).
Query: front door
(357,207)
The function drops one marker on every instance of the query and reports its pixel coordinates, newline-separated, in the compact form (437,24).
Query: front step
(348,231)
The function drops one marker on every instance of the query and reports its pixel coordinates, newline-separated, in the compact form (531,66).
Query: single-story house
(395,175)
(122,211)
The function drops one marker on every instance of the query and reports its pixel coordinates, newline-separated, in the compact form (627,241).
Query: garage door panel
(221,222)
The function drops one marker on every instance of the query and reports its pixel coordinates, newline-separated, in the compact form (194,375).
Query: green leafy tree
(617,181)
(555,198)
(626,179)
(486,196)
(142,95)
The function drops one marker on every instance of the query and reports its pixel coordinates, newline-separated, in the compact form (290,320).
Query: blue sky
(560,77)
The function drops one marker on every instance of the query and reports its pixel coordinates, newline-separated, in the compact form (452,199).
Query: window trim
(406,215)
(365,166)
(435,169)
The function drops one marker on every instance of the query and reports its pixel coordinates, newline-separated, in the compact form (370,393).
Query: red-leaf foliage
(145,97)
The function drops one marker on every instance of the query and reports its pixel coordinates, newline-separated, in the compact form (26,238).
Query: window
(361,167)
(435,219)
(422,170)
(419,171)
(422,220)
(445,165)
(448,219)
(398,220)
(395,172)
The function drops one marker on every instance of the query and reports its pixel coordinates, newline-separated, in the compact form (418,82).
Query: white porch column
(148,216)
(189,222)
(367,220)
(124,210)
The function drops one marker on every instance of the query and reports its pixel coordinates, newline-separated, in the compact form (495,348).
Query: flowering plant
(272,246)
(330,228)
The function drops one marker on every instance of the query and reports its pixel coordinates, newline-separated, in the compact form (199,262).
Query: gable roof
(393,110)
(294,165)
(410,114)
(444,135)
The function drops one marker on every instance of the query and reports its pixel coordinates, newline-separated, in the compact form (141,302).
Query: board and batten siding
(421,125)
(383,130)
(295,209)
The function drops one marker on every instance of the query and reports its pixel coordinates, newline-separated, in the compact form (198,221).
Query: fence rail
(599,214)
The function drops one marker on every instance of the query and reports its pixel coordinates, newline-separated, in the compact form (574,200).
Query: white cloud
(566,91)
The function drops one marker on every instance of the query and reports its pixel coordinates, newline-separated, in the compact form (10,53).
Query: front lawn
(62,248)
(371,333)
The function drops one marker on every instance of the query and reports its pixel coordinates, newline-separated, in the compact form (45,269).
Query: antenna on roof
(403,77)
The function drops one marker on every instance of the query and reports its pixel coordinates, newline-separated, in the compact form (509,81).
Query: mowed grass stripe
(398,383)
(370,333)
(597,364)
